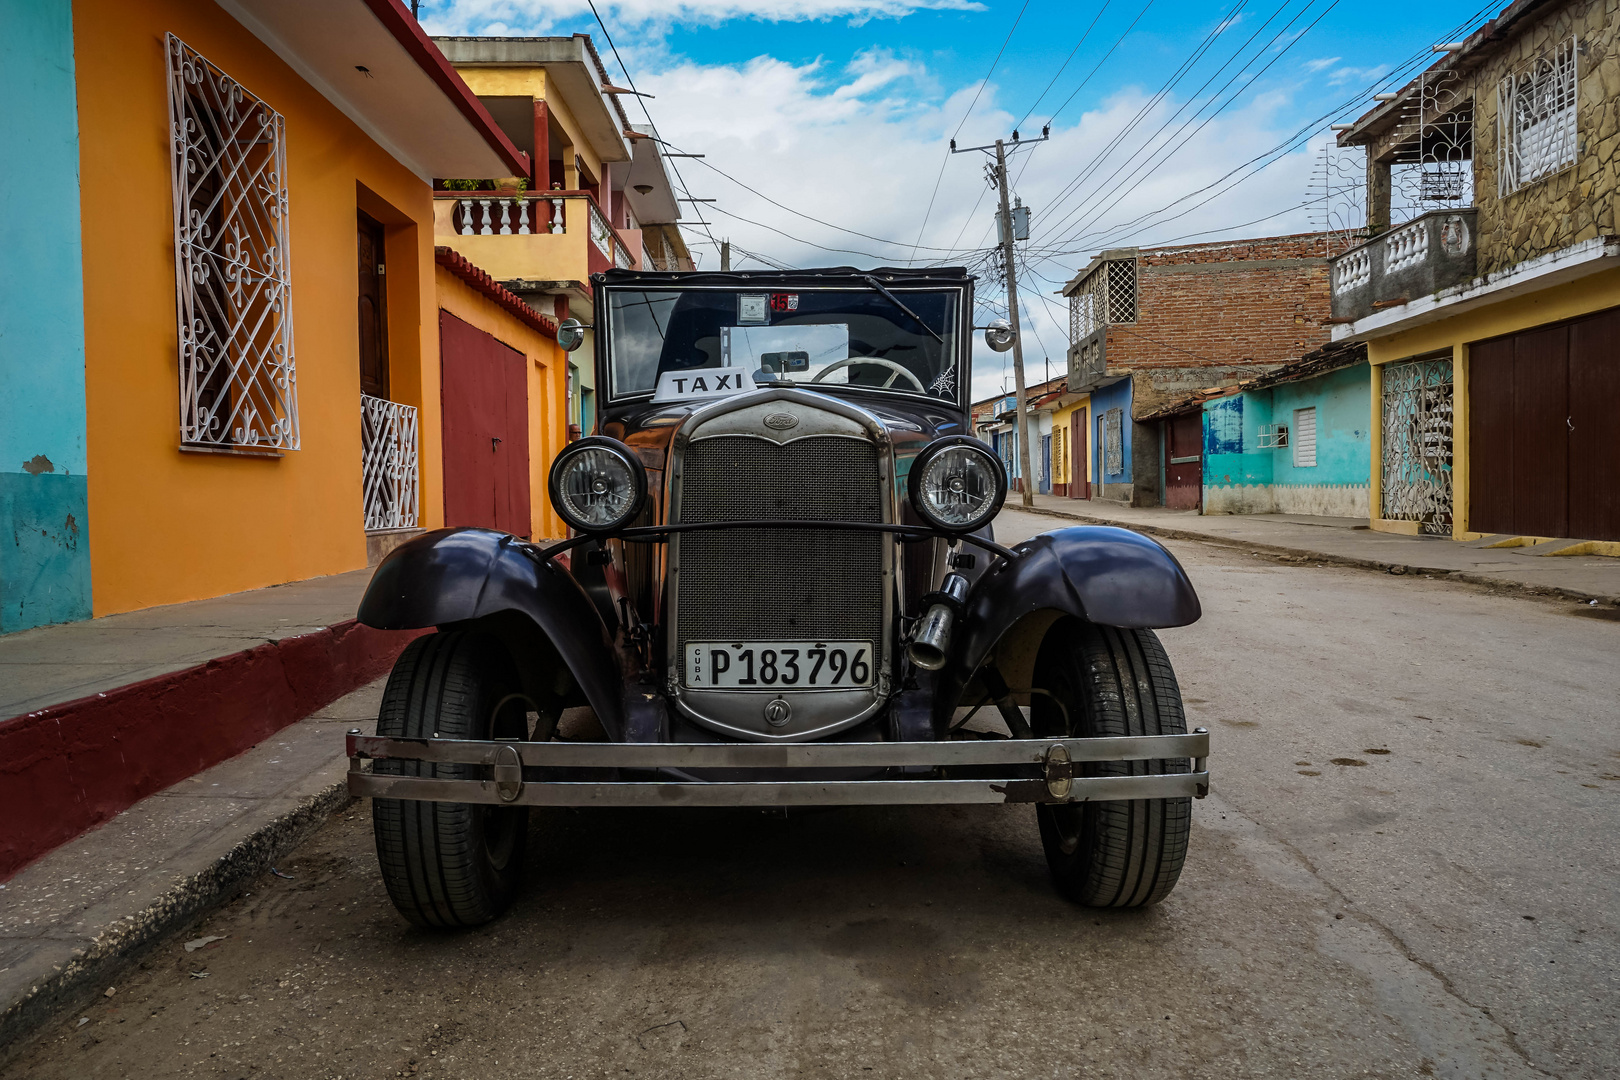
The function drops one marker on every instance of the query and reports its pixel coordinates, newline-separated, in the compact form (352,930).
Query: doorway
(1184,472)
(1079,473)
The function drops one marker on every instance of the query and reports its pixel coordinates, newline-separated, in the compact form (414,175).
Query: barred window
(1113,422)
(1535,121)
(238,388)
(1107,295)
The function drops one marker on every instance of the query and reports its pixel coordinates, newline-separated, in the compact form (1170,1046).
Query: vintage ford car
(782,589)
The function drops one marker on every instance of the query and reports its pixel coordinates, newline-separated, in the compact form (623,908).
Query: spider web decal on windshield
(945,384)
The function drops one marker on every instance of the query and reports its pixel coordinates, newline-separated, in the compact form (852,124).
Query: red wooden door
(1184,471)
(1079,477)
(484,391)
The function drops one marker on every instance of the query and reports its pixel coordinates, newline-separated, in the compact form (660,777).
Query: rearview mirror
(570,334)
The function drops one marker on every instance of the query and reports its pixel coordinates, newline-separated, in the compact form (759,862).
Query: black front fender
(1108,576)
(459,575)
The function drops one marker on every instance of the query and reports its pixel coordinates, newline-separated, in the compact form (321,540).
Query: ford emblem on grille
(781,421)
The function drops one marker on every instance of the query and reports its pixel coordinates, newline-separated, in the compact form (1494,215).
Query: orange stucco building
(249,354)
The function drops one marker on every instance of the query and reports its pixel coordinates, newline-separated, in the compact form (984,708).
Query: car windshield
(839,337)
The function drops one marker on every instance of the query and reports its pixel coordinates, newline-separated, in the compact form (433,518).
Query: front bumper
(570,774)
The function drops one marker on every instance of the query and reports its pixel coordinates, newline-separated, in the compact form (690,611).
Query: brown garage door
(1544,431)
(486,429)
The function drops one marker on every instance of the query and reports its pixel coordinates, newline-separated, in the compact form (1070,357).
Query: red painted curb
(71,767)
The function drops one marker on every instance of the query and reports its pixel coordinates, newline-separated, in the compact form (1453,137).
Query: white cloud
(521,17)
(860,146)
(1313,66)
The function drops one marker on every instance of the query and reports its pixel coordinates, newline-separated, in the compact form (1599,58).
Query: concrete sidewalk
(71,921)
(50,665)
(1349,541)
(97,715)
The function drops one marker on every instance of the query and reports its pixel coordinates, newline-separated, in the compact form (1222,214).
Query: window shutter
(1303,437)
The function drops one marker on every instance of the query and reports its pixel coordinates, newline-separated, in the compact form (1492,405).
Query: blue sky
(1172,121)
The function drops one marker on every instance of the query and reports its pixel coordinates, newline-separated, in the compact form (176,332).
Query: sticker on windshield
(752,309)
(784,301)
(702,383)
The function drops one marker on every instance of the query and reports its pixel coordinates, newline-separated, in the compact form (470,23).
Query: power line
(1281,149)
(808,217)
(1122,188)
(624,68)
(1064,66)
(985,82)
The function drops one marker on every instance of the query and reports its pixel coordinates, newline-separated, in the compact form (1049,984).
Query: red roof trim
(459,265)
(396,18)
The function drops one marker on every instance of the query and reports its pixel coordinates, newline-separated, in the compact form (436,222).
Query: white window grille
(1273,436)
(1535,120)
(1304,438)
(1114,442)
(388,463)
(238,386)
(1107,295)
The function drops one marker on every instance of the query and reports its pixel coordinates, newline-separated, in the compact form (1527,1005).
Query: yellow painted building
(1493,327)
(1071,446)
(251,358)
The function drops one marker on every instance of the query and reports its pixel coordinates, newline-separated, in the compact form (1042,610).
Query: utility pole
(725,254)
(1012,319)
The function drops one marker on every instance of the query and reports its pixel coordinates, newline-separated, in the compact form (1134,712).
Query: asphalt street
(1407,869)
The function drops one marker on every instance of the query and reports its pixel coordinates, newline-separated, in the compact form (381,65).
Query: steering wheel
(890,364)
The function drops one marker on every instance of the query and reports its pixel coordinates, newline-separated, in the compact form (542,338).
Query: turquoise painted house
(1295,441)
(44,497)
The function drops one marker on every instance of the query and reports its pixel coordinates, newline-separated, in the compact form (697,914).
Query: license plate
(764,665)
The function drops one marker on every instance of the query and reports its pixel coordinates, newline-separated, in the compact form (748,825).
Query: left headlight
(597,484)
(958,484)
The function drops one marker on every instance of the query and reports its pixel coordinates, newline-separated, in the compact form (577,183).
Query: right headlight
(958,484)
(597,484)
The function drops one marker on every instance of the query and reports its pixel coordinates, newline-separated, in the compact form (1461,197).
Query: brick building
(1151,325)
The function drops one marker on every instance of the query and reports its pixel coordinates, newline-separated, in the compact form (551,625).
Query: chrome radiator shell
(833,461)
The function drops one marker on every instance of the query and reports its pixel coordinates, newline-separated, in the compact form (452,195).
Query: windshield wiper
(896,301)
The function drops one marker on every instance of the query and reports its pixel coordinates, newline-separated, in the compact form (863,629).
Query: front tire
(1097,681)
(450,864)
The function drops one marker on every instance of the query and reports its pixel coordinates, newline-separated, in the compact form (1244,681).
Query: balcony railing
(537,213)
(388,463)
(1430,253)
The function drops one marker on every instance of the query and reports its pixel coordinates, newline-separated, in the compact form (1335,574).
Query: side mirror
(999,336)
(570,334)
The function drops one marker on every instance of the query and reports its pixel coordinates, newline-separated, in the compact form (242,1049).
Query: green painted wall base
(44,550)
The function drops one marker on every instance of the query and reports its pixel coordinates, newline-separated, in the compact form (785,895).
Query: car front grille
(780,584)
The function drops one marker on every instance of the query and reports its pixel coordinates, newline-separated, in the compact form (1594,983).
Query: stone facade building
(1150,325)
(1492,320)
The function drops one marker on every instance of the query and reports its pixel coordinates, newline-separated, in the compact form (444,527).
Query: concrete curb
(68,768)
(1398,569)
(80,980)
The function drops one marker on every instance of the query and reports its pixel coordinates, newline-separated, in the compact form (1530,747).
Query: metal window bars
(1114,442)
(1435,159)
(238,385)
(388,463)
(1107,295)
(1535,119)
(1416,451)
